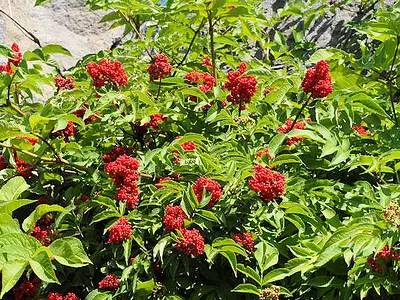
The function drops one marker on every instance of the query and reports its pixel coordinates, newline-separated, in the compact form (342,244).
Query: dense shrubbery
(183,166)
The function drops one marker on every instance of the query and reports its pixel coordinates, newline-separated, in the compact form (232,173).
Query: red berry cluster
(156,119)
(64,83)
(173,218)
(23,168)
(3,164)
(386,254)
(205,81)
(361,130)
(246,240)
(32,141)
(43,200)
(262,152)
(67,132)
(58,296)
(107,72)
(286,127)
(267,183)
(80,113)
(191,242)
(124,172)
(241,88)
(42,230)
(160,67)
(120,231)
(27,289)
(17,54)
(115,152)
(317,81)
(204,183)
(206,62)
(83,199)
(186,146)
(161,180)
(110,282)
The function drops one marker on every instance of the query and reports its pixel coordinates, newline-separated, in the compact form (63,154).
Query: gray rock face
(65,22)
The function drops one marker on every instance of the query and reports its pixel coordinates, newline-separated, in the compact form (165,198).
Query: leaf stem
(299,113)
(212,46)
(140,37)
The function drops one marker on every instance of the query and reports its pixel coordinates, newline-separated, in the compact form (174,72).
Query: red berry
(110,282)
(267,183)
(120,231)
(317,81)
(160,67)
(173,218)
(191,242)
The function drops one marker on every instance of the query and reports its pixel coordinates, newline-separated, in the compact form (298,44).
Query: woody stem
(299,113)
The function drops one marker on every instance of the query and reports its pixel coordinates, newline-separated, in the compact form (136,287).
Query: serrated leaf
(11,272)
(13,189)
(69,251)
(40,211)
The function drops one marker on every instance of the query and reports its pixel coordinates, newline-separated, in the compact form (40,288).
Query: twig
(58,157)
(299,113)
(212,50)
(140,37)
(47,160)
(390,81)
(30,34)
(191,44)
(159,89)
(8,100)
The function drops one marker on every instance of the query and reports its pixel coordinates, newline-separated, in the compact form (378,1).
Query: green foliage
(315,241)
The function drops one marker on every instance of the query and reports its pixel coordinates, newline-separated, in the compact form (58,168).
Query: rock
(68,23)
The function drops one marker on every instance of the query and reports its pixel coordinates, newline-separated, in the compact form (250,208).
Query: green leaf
(275,143)
(231,257)
(13,189)
(104,215)
(55,49)
(69,251)
(42,266)
(208,215)
(7,131)
(9,207)
(41,2)
(36,119)
(285,159)
(8,224)
(145,288)
(97,295)
(266,255)
(249,272)
(21,239)
(246,288)
(274,275)
(160,246)
(110,203)
(40,211)
(11,272)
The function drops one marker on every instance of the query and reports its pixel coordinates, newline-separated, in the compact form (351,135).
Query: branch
(299,113)
(140,37)
(47,160)
(8,100)
(212,50)
(191,44)
(26,32)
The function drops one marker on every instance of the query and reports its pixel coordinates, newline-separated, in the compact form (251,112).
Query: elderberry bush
(211,156)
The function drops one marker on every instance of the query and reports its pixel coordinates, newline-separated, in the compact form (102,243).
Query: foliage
(319,236)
